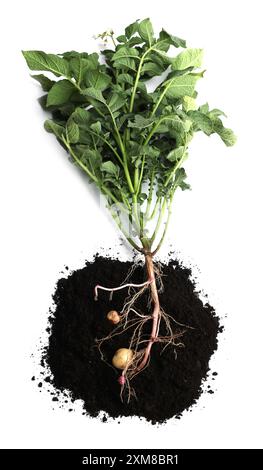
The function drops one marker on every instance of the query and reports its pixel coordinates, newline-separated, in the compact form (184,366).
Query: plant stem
(136,180)
(78,161)
(76,85)
(109,145)
(155,313)
(153,214)
(128,238)
(141,175)
(136,212)
(150,195)
(113,40)
(93,177)
(165,228)
(159,221)
(138,78)
(160,99)
(123,151)
(178,164)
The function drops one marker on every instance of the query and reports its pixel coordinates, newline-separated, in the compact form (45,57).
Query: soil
(173,380)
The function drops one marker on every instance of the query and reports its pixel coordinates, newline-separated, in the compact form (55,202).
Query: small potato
(122,357)
(113,317)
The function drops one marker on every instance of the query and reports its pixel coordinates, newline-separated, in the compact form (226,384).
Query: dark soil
(169,385)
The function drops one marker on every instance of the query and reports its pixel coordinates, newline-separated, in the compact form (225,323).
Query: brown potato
(113,317)
(122,357)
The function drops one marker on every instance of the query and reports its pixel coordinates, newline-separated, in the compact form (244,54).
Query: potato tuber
(113,317)
(122,358)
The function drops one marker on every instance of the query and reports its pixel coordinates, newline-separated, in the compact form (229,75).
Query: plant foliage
(130,142)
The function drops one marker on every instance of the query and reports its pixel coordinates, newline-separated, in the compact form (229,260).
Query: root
(124,285)
(114,289)
(131,318)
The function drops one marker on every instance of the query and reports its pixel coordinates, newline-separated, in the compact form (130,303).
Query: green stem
(153,214)
(128,238)
(113,198)
(126,202)
(138,78)
(76,85)
(93,177)
(159,221)
(136,213)
(113,40)
(123,151)
(150,195)
(141,175)
(109,145)
(175,169)
(78,161)
(94,143)
(152,132)
(161,98)
(136,180)
(155,127)
(165,228)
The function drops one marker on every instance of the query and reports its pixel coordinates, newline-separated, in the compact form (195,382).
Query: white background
(50,217)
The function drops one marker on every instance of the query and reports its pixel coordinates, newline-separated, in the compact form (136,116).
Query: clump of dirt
(172,381)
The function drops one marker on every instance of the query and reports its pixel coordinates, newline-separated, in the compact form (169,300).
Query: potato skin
(122,357)
(113,317)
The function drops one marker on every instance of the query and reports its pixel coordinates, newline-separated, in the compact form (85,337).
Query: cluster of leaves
(130,142)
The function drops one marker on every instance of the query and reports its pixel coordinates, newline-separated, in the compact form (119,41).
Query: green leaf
(38,60)
(134,41)
(188,58)
(96,127)
(201,121)
(162,45)
(45,82)
(92,60)
(110,168)
(176,154)
(145,30)
(125,78)
(76,68)
(173,40)
(149,151)
(60,93)
(143,92)
(81,117)
(140,122)
(189,103)
(122,38)
(216,112)
(125,64)
(54,128)
(131,29)
(125,57)
(180,176)
(152,69)
(227,135)
(92,158)
(94,94)
(130,133)
(124,52)
(70,55)
(80,66)
(204,108)
(97,79)
(72,132)
(182,85)
(116,102)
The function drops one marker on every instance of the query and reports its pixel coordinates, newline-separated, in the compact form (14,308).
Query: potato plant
(126,117)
